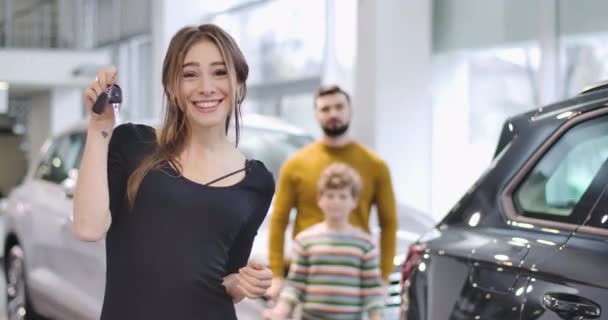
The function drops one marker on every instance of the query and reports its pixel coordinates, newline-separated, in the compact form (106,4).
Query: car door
(572,283)
(566,279)
(550,197)
(85,265)
(49,217)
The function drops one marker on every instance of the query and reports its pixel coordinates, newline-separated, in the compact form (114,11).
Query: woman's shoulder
(261,175)
(128,138)
(133,131)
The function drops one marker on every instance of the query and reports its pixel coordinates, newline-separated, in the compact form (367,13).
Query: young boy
(335,272)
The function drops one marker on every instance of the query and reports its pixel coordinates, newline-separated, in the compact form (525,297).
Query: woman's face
(205,86)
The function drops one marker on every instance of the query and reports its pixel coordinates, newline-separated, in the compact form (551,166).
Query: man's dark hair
(329,90)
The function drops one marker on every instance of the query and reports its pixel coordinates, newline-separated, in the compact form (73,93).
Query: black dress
(166,258)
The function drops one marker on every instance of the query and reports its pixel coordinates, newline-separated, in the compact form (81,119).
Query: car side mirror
(69,184)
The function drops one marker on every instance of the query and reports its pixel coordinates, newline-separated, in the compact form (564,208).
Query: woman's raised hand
(105,77)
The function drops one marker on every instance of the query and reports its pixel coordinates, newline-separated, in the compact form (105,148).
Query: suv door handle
(569,306)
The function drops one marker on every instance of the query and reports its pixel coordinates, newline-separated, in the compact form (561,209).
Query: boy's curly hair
(339,176)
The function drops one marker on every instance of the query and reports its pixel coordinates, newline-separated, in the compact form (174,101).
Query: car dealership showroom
(303,159)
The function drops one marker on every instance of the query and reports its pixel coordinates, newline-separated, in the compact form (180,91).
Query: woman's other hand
(251,282)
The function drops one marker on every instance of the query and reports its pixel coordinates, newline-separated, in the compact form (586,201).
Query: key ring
(112,95)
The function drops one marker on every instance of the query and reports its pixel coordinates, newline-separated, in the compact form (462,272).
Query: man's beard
(334,132)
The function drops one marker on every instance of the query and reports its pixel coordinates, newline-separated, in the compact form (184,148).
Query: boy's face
(337,203)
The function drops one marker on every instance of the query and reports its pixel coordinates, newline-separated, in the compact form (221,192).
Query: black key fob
(112,94)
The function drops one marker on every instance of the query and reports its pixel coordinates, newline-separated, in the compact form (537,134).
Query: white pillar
(66,108)
(549,80)
(38,125)
(340,44)
(392,103)
(3,97)
(451,146)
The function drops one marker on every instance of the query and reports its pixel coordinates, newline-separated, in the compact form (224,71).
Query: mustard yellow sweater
(297,188)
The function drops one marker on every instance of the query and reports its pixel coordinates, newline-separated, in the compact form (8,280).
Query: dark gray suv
(529,240)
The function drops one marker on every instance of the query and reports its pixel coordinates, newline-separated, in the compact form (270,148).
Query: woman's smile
(208,105)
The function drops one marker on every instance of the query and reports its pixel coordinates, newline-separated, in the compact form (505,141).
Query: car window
(562,176)
(272,147)
(63,155)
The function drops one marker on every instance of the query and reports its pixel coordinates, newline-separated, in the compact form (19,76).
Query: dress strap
(246,169)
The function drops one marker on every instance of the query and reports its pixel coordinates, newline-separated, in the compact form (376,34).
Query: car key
(112,94)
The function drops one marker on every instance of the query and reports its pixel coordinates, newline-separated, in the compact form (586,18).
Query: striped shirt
(334,275)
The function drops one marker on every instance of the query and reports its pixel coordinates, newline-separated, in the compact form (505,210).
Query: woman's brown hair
(171,137)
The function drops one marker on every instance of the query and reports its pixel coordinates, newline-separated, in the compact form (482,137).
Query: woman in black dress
(179,206)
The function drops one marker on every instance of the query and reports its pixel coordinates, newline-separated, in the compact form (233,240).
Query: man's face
(333,113)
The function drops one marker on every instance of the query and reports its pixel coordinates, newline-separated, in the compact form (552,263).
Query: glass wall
(282,40)
(583,36)
(71,24)
(286,46)
(284,43)
(516,56)
(485,69)
(133,58)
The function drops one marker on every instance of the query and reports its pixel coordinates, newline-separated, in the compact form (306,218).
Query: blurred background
(432,80)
